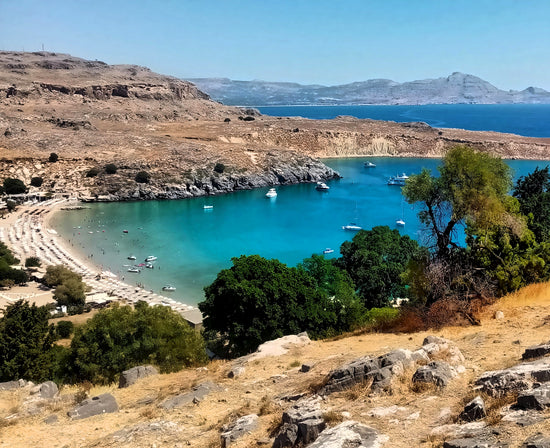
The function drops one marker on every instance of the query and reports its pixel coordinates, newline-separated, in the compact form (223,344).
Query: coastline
(27,233)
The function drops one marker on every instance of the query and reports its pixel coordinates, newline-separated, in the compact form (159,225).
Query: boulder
(536,351)
(516,378)
(101,404)
(436,372)
(238,428)
(235,372)
(537,441)
(302,422)
(349,434)
(306,367)
(196,395)
(474,410)
(46,390)
(474,443)
(130,376)
(50,420)
(10,385)
(499,315)
(536,398)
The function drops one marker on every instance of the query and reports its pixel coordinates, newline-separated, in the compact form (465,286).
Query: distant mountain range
(458,88)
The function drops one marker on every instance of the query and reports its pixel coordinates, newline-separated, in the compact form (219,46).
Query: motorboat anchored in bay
(134,269)
(321,186)
(352,227)
(369,165)
(398,180)
(150,258)
(272,193)
(168,288)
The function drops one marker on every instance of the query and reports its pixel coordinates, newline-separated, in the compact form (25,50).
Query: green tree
(26,343)
(53,157)
(64,329)
(36,181)
(471,189)
(56,275)
(32,262)
(92,172)
(71,293)
(533,194)
(375,260)
(143,177)
(119,338)
(14,186)
(257,300)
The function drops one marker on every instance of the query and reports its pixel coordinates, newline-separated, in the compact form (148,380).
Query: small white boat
(208,207)
(352,227)
(134,269)
(149,266)
(321,186)
(400,223)
(168,288)
(272,193)
(328,250)
(150,258)
(398,180)
(131,257)
(370,165)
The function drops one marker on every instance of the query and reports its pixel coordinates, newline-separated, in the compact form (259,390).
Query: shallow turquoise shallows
(193,244)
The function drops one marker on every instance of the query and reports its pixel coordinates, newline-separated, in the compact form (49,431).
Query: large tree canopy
(257,300)
(375,260)
(26,343)
(472,188)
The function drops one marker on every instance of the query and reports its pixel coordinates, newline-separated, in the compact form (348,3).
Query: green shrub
(219,168)
(92,172)
(53,157)
(143,177)
(64,329)
(110,168)
(14,186)
(379,316)
(119,338)
(32,262)
(36,181)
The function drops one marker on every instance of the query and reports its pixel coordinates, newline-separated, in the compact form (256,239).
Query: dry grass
(268,406)
(332,418)
(359,390)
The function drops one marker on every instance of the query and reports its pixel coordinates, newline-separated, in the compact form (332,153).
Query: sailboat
(352,226)
(401,222)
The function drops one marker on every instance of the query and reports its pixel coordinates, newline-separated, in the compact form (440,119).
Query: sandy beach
(27,233)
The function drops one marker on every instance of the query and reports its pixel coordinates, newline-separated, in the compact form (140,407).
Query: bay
(530,120)
(193,244)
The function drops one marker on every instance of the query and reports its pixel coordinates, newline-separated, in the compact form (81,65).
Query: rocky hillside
(92,114)
(456,387)
(458,88)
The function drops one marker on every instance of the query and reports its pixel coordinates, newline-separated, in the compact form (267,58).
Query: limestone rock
(436,372)
(537,398)
(516,378)
(537,441)
(10,385)
(474,443)
(349,434)
(235,372)
(46,390)
(499,315)
(130,376)
(536,351)
(196,395)
(474,410)
(302,423)
(238,428)
(101,404)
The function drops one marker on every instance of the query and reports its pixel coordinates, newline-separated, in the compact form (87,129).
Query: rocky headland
(91,114)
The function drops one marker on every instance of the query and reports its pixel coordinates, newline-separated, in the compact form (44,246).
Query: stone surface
(302,423)
(238,428)
(235,372)
(536,351)
(102,404)
(536,398)
(474,410)
(130,376)
(349,434)
(437,372)
(45,390)
(196,395)
(474,443)
(516,378)
(499,315)
(10,385)
(279,346)
(537,441)
(51,419)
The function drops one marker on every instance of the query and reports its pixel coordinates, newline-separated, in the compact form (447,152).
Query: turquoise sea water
(532,120)
(193,244)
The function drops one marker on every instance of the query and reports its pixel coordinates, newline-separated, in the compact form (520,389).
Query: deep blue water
(531,120)
(193,245)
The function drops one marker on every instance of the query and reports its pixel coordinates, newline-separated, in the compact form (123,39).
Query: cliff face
(92,114)
(458,88)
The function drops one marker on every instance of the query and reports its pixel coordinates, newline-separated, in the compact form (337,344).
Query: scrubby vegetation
(8,275)
(14,186)
(69,288)
(110,168)
(142,177)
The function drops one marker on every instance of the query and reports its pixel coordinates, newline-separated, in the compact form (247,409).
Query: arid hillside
(403,414)
(90,114)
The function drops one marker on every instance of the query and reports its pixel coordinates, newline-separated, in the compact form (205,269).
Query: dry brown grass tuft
(359,390)
(332,418)
(421,387)
(494,406)
(268,406)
